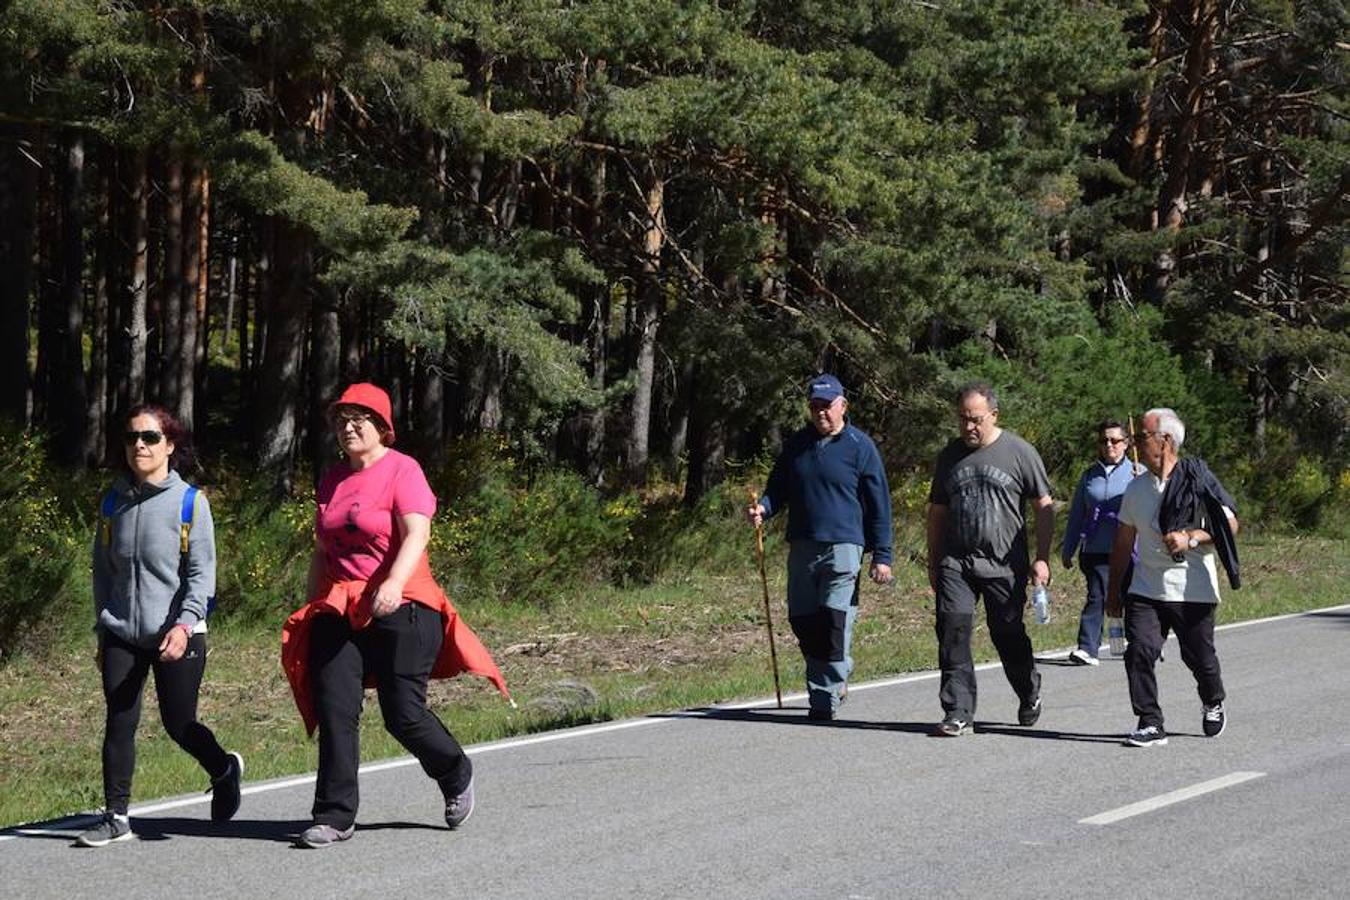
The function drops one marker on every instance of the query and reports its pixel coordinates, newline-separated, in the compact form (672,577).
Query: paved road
(756,802)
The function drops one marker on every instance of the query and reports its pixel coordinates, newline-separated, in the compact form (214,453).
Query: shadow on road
(791,716)
(152,828)
(1341,615)
(1045,734)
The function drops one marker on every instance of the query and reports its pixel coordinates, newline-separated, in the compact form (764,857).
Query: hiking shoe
(111,828)
(1214,720)
(1147,736)
(953,726)
(815,714)
(224,790)
(318,836)
(459,807)
(1081,657)
(1029,711)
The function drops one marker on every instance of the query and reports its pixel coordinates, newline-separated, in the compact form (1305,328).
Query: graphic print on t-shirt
(985,516)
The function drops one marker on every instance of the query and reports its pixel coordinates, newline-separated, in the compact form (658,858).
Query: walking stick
(1134,447)
(768,615)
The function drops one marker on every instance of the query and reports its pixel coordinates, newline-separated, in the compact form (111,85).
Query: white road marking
(78,821)
(1177,796)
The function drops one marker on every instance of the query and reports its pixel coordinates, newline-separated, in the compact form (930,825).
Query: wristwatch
(1192,541)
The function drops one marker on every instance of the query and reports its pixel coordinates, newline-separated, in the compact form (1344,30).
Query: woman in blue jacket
(154,572)
(1092,530)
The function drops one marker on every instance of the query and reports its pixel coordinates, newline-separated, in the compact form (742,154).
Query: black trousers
(1004,597)
(399,650)
(1146,624)
(125,668)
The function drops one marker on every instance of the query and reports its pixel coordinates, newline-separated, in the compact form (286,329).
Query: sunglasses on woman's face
(151,438)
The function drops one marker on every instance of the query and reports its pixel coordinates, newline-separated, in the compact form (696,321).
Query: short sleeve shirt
(985,490)
(1156,576)
(356,522)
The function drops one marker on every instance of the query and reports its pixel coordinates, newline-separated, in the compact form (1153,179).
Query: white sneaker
(1081,657)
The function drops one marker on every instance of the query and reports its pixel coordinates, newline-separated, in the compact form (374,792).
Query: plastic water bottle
(1040,602)
(1115,633)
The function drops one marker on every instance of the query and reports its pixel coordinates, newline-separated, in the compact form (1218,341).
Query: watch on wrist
(1192,541)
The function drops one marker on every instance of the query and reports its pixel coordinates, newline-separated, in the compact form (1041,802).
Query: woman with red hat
(375,614)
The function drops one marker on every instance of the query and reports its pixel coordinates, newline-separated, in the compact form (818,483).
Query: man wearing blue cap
(830,478)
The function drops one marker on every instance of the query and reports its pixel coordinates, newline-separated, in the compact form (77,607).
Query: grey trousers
(822,607)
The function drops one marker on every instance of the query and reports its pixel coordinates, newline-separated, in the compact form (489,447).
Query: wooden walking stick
(1134,446)
(768,615)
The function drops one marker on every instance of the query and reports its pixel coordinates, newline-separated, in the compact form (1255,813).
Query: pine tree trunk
(707,439)
(69,399)
(428,402)
(325,347)
(96,414)
(278,382)
(646,320)
(18,209)
(1172,204)
(171,325)
(186,352)
(137,184)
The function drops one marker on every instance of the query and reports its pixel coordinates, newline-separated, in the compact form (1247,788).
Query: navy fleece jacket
(834,489)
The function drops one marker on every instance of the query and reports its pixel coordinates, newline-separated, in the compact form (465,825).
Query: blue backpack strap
(185,517)
(106,508)
(185,531)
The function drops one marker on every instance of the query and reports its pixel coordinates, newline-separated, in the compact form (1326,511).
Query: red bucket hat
(372,398)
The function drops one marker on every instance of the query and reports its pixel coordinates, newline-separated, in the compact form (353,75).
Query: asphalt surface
(756,802)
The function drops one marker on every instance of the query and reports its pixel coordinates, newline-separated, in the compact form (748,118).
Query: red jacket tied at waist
(461,650)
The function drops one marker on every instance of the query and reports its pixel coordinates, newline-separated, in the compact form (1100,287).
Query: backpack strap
(185,517)
(106,509)
(185,531)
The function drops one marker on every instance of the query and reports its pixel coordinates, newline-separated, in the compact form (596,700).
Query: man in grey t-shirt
(977,548)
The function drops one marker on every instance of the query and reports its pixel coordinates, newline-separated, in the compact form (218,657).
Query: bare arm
(1120,559)
(1045,534)
(415,529)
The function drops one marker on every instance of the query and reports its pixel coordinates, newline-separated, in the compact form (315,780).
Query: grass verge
(612,653)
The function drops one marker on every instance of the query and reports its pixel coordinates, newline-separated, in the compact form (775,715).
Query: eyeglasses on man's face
(1113,441)
(1142,436)
(975,421)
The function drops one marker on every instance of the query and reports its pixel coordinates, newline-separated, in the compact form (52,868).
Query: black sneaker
(110,829)
(1029,711)
(819,715)
(953,726)
(224,790)
(459,807)
(1147,736)
(1214,720)
(318,836)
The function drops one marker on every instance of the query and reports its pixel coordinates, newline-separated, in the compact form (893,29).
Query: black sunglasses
(151,438)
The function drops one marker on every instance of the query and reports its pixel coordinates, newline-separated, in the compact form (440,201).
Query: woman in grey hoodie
(154,572)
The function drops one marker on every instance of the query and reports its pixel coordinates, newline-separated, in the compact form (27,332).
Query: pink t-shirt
(355,522)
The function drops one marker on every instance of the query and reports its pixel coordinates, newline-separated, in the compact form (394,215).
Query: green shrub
(504,535)
(45,556)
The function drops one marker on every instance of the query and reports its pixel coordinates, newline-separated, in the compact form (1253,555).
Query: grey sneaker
(459,807)
(1214,720)
(1081,657)
(953,726)
(319,836)
(224,790)
(1147,736)
(110,829)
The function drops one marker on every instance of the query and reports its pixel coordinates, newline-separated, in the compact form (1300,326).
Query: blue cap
(825,387)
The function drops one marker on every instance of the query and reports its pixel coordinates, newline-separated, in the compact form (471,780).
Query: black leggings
(125,667)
